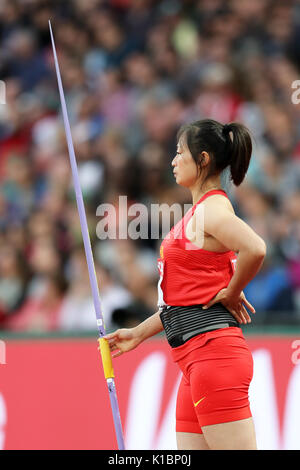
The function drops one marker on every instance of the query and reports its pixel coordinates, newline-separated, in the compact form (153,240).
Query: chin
(182,182)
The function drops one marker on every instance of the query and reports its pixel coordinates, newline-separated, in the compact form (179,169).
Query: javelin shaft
(105,354)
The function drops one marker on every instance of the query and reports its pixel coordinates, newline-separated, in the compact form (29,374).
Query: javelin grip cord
(106,358)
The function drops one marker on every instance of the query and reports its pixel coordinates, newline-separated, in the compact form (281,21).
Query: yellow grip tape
(106,358)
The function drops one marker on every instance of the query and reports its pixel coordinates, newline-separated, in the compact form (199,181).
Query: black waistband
(182,323)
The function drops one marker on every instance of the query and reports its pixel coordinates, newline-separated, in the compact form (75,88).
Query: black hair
(214,138)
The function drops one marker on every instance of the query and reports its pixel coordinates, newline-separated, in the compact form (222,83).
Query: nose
(173,161)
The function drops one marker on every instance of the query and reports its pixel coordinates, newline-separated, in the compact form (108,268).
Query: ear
(205,158)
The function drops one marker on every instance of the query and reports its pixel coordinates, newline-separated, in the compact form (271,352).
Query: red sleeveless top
(190,275)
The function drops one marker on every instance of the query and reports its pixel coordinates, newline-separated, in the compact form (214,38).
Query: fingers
(117,354)
(112,340)
(113,346)
(236,316)
(241,315)
(248,305)
(205,307)
(217,298)
(245,314)
(112,336)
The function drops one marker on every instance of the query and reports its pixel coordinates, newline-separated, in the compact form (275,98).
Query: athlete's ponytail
(239,149)
(228,145)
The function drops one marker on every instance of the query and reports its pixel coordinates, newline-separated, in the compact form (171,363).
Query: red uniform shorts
(217,370)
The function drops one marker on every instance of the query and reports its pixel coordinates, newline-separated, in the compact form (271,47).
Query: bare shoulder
(216,203)
(220,222)
(213,213)
(219,200)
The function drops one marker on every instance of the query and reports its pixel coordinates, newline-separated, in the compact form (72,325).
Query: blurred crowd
(133,71)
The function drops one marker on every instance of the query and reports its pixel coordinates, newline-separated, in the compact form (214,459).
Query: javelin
(103,344)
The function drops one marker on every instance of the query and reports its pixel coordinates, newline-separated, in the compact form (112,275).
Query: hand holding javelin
(234,303)
(122,340)
(126,339)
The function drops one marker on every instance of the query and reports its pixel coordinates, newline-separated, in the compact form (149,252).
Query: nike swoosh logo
(197,403)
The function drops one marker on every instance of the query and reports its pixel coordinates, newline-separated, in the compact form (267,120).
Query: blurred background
(133,71)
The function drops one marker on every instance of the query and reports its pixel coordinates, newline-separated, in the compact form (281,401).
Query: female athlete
(205,263)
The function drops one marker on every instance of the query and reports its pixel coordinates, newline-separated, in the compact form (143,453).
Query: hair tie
(226,129)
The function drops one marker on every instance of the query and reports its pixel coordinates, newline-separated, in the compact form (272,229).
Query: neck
(198,191)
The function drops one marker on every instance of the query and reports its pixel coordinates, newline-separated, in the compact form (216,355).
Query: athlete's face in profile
(184,166)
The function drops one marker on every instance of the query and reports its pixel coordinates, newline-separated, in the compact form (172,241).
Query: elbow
(256,250)
(260,250)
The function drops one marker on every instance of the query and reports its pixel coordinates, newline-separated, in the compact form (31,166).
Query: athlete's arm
(221,223)
(126,339)
(149,327)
